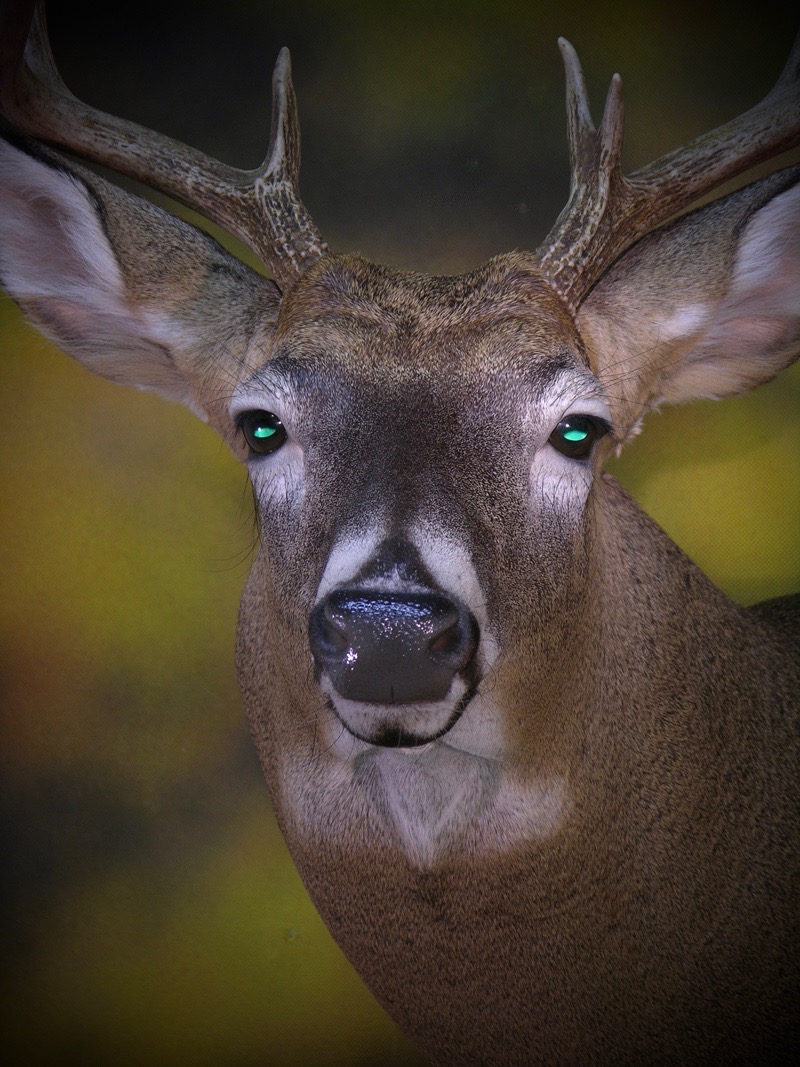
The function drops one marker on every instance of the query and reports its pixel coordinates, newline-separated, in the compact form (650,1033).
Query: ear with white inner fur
(708,306)
(129,290)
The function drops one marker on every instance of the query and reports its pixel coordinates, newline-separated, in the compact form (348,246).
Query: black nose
(392,648)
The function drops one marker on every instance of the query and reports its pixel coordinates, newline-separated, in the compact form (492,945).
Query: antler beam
(607,212)
(261,207)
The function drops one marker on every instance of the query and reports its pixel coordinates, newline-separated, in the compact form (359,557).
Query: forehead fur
(507,293)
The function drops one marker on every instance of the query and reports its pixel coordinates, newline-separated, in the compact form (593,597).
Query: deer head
(441,639)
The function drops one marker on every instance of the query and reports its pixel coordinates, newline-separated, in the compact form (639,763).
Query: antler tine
(608,212)
(295,239)
(612,128)
(580,128)
(282,162)
(261,207)
(595,176)
(584,139)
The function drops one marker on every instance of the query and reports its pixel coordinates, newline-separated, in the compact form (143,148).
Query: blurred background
(151,912)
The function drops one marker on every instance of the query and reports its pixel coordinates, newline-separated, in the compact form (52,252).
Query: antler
(261,207)
(608,212)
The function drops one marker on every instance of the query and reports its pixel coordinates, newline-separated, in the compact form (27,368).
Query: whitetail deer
(538,774)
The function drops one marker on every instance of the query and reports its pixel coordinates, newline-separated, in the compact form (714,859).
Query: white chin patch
(378,723)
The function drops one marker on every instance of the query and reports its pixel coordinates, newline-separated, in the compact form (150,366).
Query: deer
(537,773)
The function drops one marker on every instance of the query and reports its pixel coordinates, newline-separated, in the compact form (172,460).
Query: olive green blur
(152,913)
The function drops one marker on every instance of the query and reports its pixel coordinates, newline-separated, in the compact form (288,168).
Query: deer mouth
(400,725)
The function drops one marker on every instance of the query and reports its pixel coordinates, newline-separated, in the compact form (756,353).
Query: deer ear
(129,290)
(708,306)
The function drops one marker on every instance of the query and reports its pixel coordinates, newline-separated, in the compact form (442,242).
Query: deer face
(414,532)
(429,610)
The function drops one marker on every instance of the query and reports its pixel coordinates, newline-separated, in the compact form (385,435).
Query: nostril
(334,633)
(456,641)
(334,641)
(448,641)
(328,637)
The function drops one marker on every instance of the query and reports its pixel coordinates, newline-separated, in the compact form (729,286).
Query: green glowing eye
(263,431)
(575,435)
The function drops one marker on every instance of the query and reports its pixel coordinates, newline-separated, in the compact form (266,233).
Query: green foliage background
(152,914)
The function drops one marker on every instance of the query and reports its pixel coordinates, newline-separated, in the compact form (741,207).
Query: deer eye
(575,435)
(263,431)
